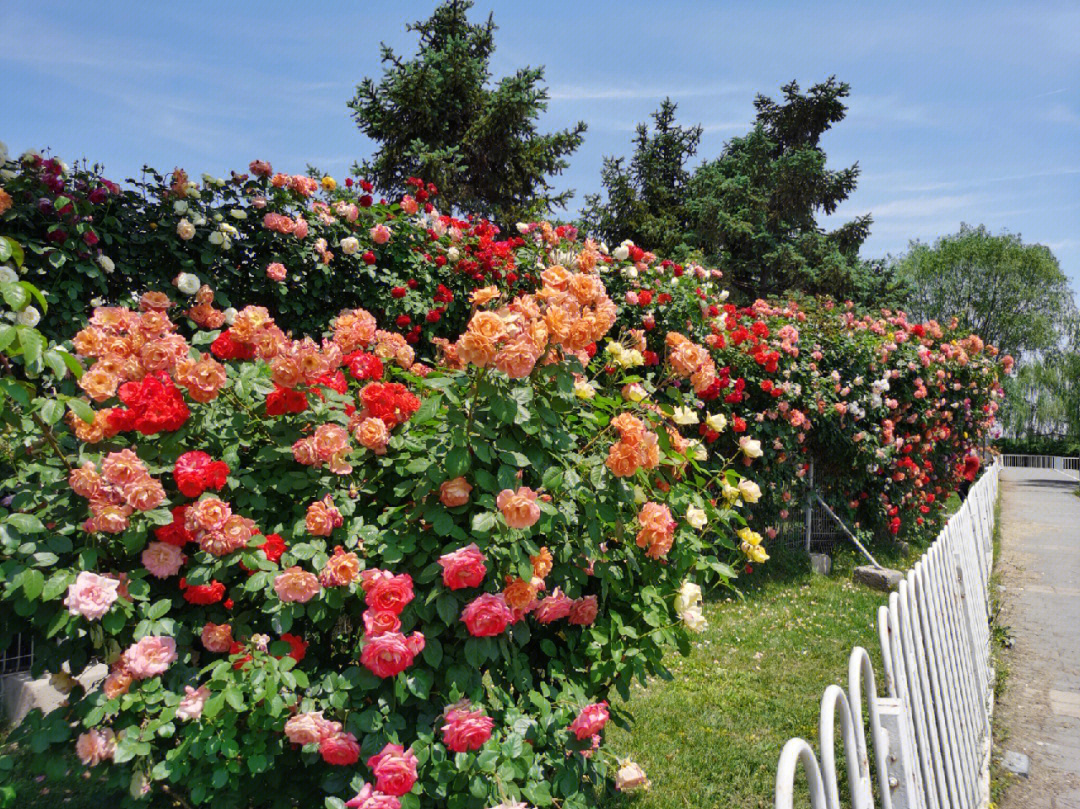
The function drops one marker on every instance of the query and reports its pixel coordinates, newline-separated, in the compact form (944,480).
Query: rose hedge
(314,555)
(563,438)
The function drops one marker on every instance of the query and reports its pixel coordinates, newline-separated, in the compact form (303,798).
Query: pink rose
(394,769)
(276,271)
(466,730)
(463,568)
(91,595)
(162,560)
(409,205)
(369,798)
(553,607)
(191,704)
(95,746)
(591,720)
(150,656)
(296,584)
(453,493)
(380,234)
(341,749)
(487,615)
(389,593)
(391,653)
(300,230)
(583,613)
(518,508)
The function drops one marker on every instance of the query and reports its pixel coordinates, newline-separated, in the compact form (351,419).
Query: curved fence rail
(930,734)
(1067,466)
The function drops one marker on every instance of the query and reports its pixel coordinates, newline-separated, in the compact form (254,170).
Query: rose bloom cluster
(570,312)
(121,486)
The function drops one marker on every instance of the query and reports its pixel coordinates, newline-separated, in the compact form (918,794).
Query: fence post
(899,757)
(808,510)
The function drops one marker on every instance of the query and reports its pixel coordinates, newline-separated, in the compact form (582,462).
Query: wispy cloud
(880,110)
(567,92)
(921,207)
(1062,114)
(1051,93)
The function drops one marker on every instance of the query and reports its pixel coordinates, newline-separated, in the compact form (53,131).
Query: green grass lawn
(712,736)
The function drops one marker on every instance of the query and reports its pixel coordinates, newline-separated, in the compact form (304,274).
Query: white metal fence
(930,735)
(1067,466)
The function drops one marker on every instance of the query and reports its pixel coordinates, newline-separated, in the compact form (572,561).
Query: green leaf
(7,335)
(82,410)
(52,411)
(447,607)
(419,682)
(483,522)
(158,609)
(505,410)
(15,296)
(457,462)
(32,583)
(427,410)
(25,523)
(33,344)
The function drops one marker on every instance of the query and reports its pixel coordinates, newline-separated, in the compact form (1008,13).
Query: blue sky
(960,112)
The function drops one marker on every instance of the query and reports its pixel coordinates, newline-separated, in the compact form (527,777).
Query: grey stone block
(1016,763)
(879,578)
(821,563)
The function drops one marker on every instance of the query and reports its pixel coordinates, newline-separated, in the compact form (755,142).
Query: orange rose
(519,594)
(542,563)
(455,492)
(623,459)
(488,324)
(517,358)
(484,295)
(99,384)
(556,277)
(475,349)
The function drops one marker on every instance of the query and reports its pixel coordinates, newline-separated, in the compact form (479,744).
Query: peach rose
(517,358)
(519,508)
(150,656)
(95,746)
(657,530)
(373,434)
(296,584)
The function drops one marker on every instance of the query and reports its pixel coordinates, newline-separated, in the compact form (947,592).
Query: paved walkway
(1040,570)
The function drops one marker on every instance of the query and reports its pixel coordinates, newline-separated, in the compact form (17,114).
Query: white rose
(522,228)
(716,422)
(694,620)
(583,389)
(185,229)
(724,295)
(630,272)
(684,416)
(696,517)
(453,254)
(106,263)
(180,206)
(688,597)
(749,490)
(621,253)
(8,274)
(29,155)
(29,316)
(188,283)
(230,315)
(751,447)
(698,451)
(350,245)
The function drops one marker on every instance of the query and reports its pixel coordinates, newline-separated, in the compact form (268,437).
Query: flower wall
(402,547)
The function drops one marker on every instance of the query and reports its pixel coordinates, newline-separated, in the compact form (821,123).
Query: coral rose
(373,434)
(192,703)
(463,568)
(487,615)
(591,720)
(340,748)
(464,729)
(394,769)
(657,530)
(217,637)
(391,653)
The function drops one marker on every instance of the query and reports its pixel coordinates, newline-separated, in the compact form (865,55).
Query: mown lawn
(711,737)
